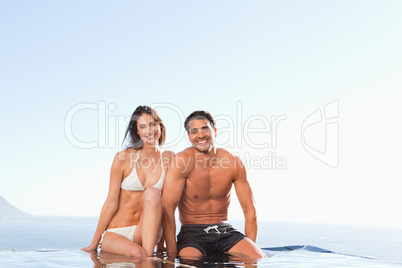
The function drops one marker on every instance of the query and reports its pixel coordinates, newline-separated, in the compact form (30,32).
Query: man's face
(201,135)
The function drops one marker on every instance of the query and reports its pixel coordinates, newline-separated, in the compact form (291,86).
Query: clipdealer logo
(320,134)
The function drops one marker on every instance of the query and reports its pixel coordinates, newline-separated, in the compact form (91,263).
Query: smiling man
(199,182)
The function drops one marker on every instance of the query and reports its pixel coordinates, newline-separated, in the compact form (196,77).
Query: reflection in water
(219,260)
(161,259)
(106,259)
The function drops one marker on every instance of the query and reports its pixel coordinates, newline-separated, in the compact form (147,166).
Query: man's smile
(202,141)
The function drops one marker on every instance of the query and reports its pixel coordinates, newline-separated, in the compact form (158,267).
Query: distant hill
(9,211)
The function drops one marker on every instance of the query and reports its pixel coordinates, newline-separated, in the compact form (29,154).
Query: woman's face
(148,129)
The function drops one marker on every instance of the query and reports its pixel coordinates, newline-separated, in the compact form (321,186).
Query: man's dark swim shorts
(208,237)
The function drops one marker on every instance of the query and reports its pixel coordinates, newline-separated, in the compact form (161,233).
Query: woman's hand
(90,248)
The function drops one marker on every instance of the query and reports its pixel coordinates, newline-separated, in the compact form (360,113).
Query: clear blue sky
(244,61)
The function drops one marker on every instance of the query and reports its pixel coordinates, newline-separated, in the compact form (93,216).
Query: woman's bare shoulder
(125,155)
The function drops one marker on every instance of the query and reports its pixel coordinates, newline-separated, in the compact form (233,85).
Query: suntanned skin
(124,208)
(199,182)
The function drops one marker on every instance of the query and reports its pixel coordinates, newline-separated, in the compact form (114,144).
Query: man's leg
(190,252)
(247,248)
(192,241)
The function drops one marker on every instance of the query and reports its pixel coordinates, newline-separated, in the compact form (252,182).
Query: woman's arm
(112,201)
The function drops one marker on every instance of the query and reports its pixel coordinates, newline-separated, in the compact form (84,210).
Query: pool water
(77,258)
(55,242)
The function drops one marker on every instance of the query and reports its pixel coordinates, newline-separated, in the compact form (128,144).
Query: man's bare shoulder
(232,160)
(187,153)
(224,153)
(168,154)
(229,157)
(185,160)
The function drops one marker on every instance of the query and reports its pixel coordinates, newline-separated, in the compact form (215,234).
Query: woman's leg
(148,229)
(115,243)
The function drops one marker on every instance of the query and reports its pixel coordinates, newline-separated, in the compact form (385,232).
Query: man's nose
(200,134)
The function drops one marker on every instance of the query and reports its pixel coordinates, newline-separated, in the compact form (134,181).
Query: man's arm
(245,196)
(172,191)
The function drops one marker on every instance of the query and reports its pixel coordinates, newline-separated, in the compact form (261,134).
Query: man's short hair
(198,115)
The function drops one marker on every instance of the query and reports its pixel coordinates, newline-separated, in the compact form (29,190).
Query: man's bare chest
(208,183)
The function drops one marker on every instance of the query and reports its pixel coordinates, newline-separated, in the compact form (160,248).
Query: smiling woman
(145,123)
(130,221)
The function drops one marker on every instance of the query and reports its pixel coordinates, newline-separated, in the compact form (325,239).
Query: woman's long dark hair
(135,140)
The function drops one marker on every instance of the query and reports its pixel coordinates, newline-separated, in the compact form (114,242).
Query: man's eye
(194,131)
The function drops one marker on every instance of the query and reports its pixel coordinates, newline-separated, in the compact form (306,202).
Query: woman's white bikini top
(132,182)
